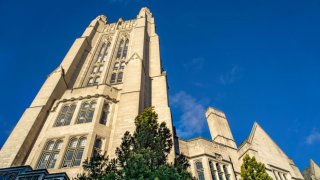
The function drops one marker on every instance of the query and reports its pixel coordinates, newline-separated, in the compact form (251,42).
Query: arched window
(116,66)
(199,169)
(65,115)
(123,65)
(104,115)
(219,171)
(103,52)
(74,152)
(86,112)
(96,80)
(226,172)
(90,82)
(125,49)
(95,70)
(98,66)
(212,170)
(120,76)
(100,69)
(113,78)
(120,49)
(119,65)
(50,154)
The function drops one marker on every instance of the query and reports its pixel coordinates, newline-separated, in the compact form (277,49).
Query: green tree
(142,155)
(252,170)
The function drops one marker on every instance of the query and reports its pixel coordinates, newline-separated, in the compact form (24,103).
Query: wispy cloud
(192,120)
(313,137)
(230,76)
(195,64)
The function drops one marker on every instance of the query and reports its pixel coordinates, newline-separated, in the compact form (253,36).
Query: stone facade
(220,158)
(312,172)
(109,75)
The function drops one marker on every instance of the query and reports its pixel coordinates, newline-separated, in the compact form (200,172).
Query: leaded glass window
(200,171)
(86,112)
(50,154)
(97,68)
(120,75)
(74,152)
(65,115)
(119,65)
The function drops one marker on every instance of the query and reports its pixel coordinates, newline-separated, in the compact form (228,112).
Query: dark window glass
(120,49)
(125,49)
(104,115)
(50,154)
(113,78)
(65,115)
(86,112)
(226,173)
(212,170)
(120,76)
(200,173)
(74,152)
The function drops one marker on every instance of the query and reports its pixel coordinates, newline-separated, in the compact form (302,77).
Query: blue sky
(255,60)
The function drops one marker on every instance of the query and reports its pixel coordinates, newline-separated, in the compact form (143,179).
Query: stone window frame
(66,114)
(223,175)
(87,111)
(105,113)
(199,170)
(213,170)
(279,174)
(53,153)
(75,150)
(93,76)
(97,147)
(120,57)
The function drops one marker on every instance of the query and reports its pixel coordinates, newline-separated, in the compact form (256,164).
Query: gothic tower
(109,75)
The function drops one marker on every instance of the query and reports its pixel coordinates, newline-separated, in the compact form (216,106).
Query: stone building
(109,75)
(312,172)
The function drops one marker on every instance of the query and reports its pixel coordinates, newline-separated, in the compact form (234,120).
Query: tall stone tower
(110,74)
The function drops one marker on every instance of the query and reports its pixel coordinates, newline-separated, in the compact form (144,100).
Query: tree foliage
(253,170)
(142,155)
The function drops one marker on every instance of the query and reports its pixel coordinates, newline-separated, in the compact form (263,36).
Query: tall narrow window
(119,65)
(280,175)
(74,152)
(226,173)
(212,170)
(123,65)
(116,66)
(97,67)
(104,115)
(120,49)
(86,112)
(50,154)
(65,115)
(96,80)
(199,169)
(219,171)
(113,78)
(97,147)
(120,76)
(125,49)
(103,52)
